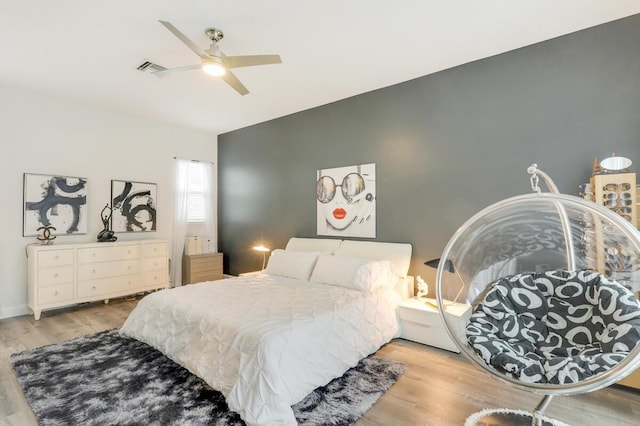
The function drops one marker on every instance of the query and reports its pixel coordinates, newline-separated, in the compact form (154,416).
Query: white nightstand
(423,324)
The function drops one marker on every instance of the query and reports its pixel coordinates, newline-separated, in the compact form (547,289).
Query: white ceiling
(88,51)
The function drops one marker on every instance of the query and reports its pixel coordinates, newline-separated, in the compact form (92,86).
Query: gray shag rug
(106,379)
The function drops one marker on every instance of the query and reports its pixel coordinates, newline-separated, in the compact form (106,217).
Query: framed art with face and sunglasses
(346,201)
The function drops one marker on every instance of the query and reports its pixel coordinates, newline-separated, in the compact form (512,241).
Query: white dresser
(64,274)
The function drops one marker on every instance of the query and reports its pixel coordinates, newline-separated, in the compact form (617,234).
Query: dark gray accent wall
(445,145)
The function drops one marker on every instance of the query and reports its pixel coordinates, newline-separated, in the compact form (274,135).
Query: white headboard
(313,244)
(398,253)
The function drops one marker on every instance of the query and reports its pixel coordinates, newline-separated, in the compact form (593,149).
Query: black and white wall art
(346,201)
(54,201)
(134,206)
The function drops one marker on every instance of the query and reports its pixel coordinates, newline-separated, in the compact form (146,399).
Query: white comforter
(264,341)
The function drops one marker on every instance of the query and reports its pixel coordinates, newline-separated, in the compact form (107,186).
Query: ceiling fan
(216,63)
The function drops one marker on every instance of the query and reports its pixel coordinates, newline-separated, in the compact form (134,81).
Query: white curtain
(210,203)
(181,182)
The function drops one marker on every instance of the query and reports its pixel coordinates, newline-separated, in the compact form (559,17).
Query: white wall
(41,134)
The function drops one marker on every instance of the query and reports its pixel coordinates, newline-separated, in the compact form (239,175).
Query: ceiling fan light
(214,68)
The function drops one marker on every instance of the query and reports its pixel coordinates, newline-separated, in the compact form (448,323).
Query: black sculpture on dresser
(106,235)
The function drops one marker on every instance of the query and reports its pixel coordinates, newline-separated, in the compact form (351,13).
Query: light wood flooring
(438,387)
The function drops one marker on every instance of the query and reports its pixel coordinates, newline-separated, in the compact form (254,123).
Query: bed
(267,340)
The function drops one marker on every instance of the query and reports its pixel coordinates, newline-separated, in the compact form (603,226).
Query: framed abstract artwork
(54,201)
(346,201)
(134,206)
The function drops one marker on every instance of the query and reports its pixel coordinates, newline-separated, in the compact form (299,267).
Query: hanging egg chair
(552,284)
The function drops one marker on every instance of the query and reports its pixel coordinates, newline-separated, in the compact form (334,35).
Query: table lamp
(264,251)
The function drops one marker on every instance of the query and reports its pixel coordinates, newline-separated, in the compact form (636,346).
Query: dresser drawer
(154,264)
(206,264)
(155,250)
(50,276)
(155,279)
(55,258)
(106,254)
(108,269)
(108,286)
(204,276)
(55,294)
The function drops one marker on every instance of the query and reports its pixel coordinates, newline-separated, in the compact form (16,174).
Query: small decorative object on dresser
(106,235)
(46,238)
(64,274)
(422,323)
(201,267)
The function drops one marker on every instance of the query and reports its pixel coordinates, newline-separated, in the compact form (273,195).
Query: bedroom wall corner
(48,135)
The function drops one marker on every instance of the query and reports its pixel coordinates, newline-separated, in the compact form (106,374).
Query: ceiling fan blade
(168,70)
(251,60)
(233,81)
(183,38)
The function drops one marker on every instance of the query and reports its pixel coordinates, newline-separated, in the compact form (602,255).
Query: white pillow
(292,264)
(353,272)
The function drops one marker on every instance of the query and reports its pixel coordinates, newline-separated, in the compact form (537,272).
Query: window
(195,193)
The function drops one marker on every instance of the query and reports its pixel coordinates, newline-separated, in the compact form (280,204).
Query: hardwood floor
(438,387)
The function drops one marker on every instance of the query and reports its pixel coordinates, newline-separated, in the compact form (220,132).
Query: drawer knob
(94,287)
(93,254)
(55,293)
(55,257)
(93,271)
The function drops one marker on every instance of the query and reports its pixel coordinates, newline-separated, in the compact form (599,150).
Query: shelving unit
(605,253)
(620,193)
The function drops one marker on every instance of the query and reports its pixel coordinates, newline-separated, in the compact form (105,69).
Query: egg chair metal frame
(560,202)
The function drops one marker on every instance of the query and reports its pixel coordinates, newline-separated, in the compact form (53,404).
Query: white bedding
(265,341)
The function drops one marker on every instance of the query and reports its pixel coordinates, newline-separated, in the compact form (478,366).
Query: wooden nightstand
(423,324)
(197,268)
(632,380)
(248,274)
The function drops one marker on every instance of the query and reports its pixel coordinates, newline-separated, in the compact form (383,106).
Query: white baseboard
(14,311)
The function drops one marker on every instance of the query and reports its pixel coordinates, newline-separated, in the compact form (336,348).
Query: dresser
(197,268)
(64,274)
